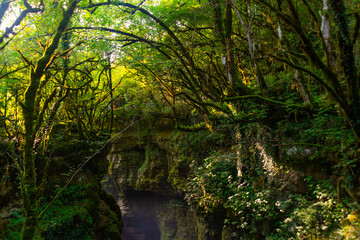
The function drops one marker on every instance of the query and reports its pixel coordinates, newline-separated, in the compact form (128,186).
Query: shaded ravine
(137,210)
(138,216)
(150,216)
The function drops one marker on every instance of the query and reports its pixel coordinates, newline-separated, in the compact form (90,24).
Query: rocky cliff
(238,183)
(82,211)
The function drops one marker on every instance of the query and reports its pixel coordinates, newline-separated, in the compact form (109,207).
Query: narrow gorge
(171,184)
(179,120)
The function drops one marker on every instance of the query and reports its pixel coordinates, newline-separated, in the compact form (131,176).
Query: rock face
(152,217)
(234,179)
(141,164)
(97,212)
(152,208)
(83,210)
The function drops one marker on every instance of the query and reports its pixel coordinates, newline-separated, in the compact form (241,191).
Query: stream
(149,216)
(139,217)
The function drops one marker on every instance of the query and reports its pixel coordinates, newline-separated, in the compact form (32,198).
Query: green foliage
(136,101)
(145,63)
(215,185)
(70,216)
(317,215)
(211,184)
(197,144)
(69,222)
(179,173)
(249,208)
(13,228)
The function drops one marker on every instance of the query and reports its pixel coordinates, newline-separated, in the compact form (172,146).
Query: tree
(29,189)
(52,68)
(231,68)
(348,98)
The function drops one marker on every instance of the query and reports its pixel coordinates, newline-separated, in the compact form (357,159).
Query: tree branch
(17,22)
(3,8)
(330,90)
(43,110)
(267,100)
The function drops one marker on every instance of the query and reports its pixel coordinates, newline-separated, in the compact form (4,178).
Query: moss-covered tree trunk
(29,189)
(29,177)
(223,30)
(348,66)
(249,30)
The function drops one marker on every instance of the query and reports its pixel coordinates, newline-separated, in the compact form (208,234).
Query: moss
(110,201)
(71,148)
(83,211)
(176,221)
(109,224)
(152,175)
(179,173)
(9,182)
(70,216)
(125,142)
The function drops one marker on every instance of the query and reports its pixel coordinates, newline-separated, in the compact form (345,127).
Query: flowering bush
(212,183)
(316,214)
(215,185)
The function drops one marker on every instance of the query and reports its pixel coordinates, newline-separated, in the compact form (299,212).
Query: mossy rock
(109,223)
(179,173)
(153,174)
(83,212)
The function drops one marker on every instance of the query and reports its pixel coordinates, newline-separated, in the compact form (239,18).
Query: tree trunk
(249,30)
(304,94)
(28,187)
(29,175)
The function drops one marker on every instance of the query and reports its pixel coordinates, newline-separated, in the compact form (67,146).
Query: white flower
(244,225)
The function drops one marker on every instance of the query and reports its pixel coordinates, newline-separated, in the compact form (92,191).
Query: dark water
(138,215)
